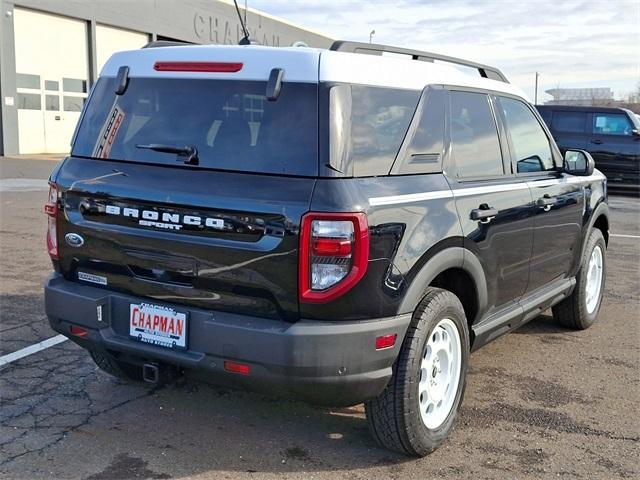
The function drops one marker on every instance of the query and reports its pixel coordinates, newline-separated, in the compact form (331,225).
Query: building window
(52,102)
(74,85)
(29,101)
(24,80)
(51,85)
(73,104)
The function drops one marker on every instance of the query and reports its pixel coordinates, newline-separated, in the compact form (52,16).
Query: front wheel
(580,310)
(417,410)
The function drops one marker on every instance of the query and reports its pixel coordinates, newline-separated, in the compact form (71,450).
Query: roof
(582,108)
(301,64)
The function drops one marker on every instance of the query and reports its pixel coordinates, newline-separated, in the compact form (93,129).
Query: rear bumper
(331,363)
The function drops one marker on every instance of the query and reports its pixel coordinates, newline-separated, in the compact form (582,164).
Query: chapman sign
(211,29)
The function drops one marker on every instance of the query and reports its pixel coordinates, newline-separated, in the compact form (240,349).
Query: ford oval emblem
(74,240)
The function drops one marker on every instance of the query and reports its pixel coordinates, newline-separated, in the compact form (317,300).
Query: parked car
(328,224)
(611,135)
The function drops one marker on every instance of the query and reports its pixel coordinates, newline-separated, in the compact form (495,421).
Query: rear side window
(367,126)
(425,139)
(475,148)
(570,122)
(230,123)
(531,147)
(611,124)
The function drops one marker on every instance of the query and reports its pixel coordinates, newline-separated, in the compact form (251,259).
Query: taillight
(334,252)
(51,210)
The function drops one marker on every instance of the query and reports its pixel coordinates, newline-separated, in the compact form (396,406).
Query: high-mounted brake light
(224,67)
(51,210)
(334,253)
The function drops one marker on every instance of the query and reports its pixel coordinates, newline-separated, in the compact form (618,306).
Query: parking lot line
(620,235)
(31,349)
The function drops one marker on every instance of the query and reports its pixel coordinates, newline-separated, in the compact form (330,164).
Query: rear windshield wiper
(187,154)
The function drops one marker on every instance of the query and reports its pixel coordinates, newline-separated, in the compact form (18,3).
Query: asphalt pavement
(541,402)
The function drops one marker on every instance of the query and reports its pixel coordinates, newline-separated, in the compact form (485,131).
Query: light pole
(371,34)
(535,101)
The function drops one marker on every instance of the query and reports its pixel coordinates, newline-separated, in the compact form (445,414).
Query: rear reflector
(239,368)
(225,67)
(386,341)
(78,331)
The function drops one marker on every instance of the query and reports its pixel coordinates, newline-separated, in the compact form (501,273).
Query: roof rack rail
(485,71)
(166,43)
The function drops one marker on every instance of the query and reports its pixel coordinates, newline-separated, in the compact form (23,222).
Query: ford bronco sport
(337,225)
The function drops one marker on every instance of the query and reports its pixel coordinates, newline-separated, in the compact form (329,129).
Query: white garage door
(52,79)
(110,40)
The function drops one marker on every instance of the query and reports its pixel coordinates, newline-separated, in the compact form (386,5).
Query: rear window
(231,124)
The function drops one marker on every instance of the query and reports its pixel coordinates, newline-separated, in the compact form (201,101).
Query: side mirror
(578,162)
(635,132)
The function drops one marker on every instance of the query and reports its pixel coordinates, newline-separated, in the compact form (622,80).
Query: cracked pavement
(541,402)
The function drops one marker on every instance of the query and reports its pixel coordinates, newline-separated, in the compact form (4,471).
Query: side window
(569,122)
(367,126)
(423,147)
(611,124)
(475,148)
(530,144)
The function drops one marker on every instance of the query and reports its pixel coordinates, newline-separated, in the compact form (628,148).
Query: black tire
(394,417)
(109,364)
(572,312)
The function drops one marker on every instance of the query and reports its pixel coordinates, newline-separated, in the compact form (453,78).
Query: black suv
(610,135)
(333,225)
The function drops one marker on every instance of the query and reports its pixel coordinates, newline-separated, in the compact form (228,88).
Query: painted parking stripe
(620,235)
(31,349)
(23,185)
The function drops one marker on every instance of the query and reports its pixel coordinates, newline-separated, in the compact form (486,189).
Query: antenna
(245,40)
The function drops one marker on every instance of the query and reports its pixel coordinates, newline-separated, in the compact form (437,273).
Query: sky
(570,43)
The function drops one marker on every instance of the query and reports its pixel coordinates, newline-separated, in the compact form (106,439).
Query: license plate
(158,325)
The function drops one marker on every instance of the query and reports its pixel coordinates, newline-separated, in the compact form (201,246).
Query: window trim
(448,163)
(555,153)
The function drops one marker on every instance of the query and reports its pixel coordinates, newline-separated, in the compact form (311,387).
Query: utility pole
(535,102)
(371,34)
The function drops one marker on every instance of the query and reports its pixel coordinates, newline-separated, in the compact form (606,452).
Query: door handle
(546,202)
(484,214)
(597,141)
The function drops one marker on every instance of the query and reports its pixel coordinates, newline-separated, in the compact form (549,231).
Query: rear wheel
(580,309)
(417,410)
(109,364)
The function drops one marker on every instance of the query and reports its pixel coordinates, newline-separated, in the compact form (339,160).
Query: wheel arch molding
(599,218)
(449,260)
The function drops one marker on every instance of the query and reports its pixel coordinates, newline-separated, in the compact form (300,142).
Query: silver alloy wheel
(594,279)
(439,374)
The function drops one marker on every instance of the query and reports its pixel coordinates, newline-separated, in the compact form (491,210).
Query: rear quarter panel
(404,233)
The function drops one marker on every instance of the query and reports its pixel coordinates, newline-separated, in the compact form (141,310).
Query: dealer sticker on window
(158,325)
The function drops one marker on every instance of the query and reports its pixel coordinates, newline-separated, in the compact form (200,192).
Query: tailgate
(218,240)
